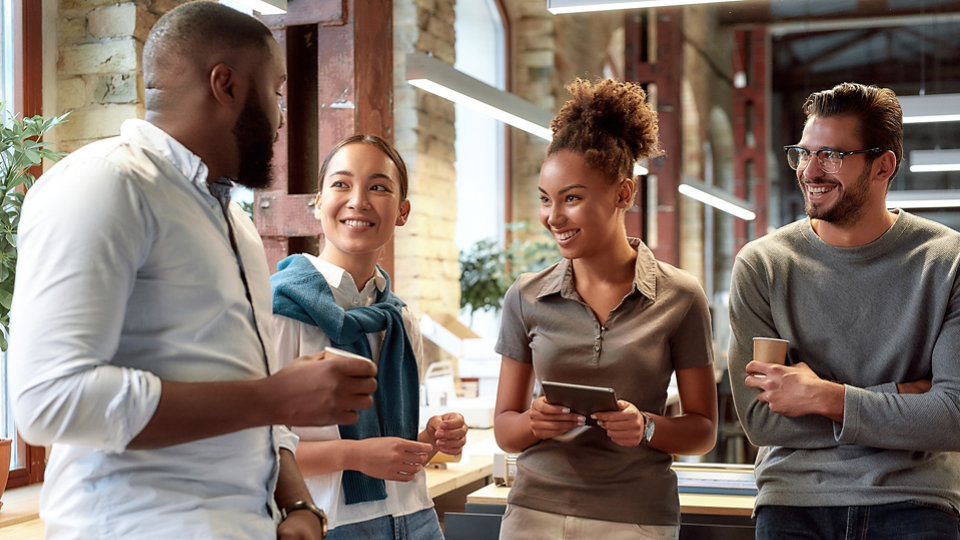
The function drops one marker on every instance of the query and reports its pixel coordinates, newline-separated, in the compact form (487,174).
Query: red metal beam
(340,82)
(750,130)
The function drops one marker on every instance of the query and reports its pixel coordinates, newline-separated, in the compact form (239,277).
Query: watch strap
(307,505)
(648,428)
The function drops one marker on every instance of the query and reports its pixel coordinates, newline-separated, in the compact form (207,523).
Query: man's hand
(795,390)
(313,391)
(548,421)
(624,427)
(300,525)
(390,458)
(447,433)
(914,387)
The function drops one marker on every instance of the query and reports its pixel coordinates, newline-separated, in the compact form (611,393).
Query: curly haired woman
(608,314)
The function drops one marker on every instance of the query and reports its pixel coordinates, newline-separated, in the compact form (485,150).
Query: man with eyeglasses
(858,432)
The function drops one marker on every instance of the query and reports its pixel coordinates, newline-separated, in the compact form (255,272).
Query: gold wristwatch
(307,505)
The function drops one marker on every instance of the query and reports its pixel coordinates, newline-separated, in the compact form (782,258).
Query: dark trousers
(900,521)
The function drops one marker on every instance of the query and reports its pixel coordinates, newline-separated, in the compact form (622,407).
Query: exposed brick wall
(98,65)
(425,255)
(532,44)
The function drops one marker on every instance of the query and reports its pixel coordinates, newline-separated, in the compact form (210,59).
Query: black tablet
(580,398)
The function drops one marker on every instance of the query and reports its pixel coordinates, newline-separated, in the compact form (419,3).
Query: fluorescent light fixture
(934,160)
(640,169)
(717,198)
(930,108)
(265,7)
(432,75)
(924,198)
(579,6)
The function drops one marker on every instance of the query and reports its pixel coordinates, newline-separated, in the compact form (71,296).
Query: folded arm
(751,316)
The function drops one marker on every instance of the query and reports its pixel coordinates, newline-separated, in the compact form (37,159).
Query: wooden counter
(456,475)
(18,517)
(690,503)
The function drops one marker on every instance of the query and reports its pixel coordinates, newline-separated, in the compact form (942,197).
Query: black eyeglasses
(829,160)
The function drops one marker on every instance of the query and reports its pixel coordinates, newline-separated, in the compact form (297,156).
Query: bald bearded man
(140,345)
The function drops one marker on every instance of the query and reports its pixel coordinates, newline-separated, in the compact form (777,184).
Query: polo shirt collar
(560,279)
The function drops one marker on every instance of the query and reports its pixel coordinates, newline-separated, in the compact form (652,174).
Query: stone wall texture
(98,65)
(425,255)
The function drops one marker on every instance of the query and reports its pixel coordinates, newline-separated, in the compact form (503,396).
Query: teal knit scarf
(301,293)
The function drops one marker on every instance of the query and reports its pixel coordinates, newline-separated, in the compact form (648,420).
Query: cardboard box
(475,357)
(475,360)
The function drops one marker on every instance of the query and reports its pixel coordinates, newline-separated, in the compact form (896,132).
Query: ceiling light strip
(717,198)
(432,75)
(920,198)
(558,7)
(930,108)
(264,7)
(934,160)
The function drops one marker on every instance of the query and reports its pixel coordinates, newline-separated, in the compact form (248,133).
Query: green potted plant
(20,150)
(487,270)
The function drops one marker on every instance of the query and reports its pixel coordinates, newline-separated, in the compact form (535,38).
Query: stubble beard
(848,208)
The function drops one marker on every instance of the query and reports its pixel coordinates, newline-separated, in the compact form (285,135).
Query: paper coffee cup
(770,350)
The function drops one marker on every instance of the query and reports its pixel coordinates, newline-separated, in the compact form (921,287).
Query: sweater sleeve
(751,316)
(923,422)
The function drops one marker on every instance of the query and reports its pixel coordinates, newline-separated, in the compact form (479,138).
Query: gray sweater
(868,317)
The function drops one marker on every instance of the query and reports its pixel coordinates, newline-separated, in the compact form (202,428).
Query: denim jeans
(899,521)
(422,525)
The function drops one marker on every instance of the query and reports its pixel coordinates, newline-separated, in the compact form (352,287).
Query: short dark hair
(182,36)
(877,111)
(609,123)
(381,144)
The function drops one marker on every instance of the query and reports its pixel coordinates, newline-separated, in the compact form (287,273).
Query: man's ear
(885,165)
(223,84)
(404,212)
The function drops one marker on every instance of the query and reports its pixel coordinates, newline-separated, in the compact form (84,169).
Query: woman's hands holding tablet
(548,421)
(624,427)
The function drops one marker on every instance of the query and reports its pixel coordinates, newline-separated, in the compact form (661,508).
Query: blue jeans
(422,525)
(899,521)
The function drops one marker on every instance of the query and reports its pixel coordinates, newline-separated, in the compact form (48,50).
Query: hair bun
(610,122)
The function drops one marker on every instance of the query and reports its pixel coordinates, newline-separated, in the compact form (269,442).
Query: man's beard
(848,208)
(254,138)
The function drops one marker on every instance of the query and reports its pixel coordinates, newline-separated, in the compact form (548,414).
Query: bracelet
(314,509)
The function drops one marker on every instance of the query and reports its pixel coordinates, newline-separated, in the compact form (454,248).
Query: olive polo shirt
(662,325)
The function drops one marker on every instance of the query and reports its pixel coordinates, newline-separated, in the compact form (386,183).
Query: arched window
(481,164)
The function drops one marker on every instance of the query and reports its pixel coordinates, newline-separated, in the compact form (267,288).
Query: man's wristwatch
(307,505)
(648,427)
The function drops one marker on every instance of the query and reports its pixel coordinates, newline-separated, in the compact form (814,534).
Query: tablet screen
(581,399)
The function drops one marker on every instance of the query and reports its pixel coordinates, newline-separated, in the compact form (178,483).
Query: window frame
(28,101)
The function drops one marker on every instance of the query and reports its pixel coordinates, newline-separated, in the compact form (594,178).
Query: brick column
(99,74)
(533,41)
(426,268)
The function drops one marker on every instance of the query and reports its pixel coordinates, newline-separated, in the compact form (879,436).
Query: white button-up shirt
(126,277)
